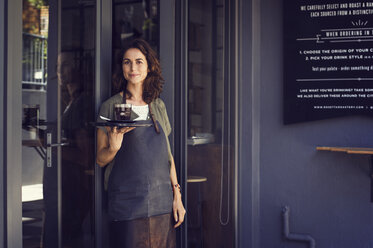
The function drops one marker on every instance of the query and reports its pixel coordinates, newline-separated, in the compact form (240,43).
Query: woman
(143,176)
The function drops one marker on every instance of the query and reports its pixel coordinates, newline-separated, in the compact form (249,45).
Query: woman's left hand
(178,209)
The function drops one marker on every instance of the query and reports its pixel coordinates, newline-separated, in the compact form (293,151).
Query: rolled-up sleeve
(166,121)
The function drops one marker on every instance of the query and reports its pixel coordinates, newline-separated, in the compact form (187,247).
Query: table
(37,145)
(196,179)
(353,150)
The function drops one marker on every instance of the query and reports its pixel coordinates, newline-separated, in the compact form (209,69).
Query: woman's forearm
(173,177)
(105,151)
(105,156)
(178,207)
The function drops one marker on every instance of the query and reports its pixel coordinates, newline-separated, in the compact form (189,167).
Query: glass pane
(34,99)
(210,147)
(76,77)
(58,81)
(133,19)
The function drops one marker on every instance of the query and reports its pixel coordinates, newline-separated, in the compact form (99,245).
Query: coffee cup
(122,111)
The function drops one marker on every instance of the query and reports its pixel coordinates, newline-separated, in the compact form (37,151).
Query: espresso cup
(31,115)
(122,111)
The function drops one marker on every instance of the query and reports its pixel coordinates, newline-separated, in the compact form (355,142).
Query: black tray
(122,124)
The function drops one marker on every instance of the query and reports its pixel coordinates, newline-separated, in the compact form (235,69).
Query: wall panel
(328,193)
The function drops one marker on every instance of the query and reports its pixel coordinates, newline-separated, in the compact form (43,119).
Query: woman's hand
(178,209)
(116,137)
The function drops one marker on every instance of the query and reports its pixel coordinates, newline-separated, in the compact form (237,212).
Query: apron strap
(124,96)
(153,119)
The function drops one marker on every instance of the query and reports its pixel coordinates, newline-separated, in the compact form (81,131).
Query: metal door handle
(49,148)
(57,144)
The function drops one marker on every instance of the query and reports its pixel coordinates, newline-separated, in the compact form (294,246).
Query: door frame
(173,34)
(232,23)
(102,92)
(104,11)
(12,123)
(3,23)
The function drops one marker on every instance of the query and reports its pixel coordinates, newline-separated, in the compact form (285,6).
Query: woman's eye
(139,62)
(126,62)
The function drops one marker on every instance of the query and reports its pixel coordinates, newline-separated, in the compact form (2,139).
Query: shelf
(350,150)
(353,150)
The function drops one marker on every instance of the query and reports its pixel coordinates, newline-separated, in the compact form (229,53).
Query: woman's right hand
(116,137)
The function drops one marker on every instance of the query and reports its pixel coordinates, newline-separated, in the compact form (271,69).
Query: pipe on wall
(295,236)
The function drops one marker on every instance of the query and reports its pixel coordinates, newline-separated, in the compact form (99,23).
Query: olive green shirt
(158,109)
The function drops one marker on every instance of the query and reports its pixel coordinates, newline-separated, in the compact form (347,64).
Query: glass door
(57,138)
(132,19)
(210,150)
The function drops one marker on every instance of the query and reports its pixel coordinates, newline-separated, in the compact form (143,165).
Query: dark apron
(139,183)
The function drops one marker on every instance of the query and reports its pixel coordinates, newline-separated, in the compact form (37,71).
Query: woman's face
(65,68)
(135,66)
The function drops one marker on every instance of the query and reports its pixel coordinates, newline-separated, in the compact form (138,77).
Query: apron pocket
(160,199)
(127,203)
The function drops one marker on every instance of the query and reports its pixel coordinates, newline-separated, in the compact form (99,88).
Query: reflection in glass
(34,84)
(75,71)
(210,143)
(58,105)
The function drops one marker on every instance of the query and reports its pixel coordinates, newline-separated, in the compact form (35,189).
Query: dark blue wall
(328,193)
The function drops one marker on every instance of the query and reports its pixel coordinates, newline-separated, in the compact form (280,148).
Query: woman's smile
(134,75)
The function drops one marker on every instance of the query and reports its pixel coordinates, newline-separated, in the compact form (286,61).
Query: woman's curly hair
(153,83)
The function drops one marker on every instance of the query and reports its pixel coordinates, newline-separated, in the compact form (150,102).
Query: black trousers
(150,232)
